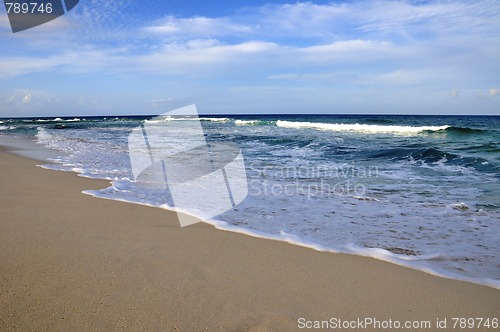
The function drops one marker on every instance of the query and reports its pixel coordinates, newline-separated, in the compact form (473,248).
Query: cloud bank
(359,56)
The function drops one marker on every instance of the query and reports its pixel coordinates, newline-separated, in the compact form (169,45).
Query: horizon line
(239,114)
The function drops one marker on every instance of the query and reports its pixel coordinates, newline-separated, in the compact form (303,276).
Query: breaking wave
(364,128)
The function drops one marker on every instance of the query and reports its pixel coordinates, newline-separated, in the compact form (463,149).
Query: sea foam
(364,128)
(246,122)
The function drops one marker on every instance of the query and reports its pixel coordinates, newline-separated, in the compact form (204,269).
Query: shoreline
(373,253)
(70,260)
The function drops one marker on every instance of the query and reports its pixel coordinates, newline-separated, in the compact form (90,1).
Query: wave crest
(172,118)
(364,128)
(246,122)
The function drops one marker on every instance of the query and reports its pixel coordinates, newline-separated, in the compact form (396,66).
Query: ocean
(419,191)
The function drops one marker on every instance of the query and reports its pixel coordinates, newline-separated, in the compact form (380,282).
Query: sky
(132,57)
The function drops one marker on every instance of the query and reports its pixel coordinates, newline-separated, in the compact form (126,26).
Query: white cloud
(197,27)
(454,94)
(198,54)
(205,56)
(10,67)
(23,102)
(85,103)
(346,51)
(401,77)
(494,92)
(161,102)
(392,16)
(27,99)
(80,61)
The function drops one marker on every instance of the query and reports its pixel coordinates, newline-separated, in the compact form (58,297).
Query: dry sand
(69,262)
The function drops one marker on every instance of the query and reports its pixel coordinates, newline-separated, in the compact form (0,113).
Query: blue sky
(149,57)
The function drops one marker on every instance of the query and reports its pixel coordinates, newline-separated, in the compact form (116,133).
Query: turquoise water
(421,191)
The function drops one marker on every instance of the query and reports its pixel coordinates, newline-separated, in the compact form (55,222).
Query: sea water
(419,191)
